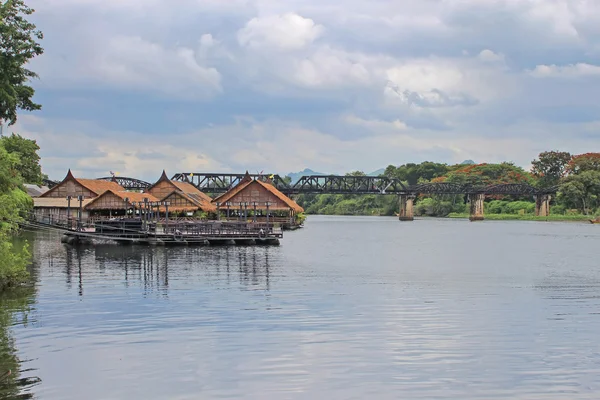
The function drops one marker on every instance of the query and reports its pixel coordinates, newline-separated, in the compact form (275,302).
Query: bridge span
(350,184)
(216,183)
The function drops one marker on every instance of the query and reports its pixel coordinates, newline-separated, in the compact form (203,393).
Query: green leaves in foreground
(18,46)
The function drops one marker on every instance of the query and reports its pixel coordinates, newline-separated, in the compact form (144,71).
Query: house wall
(162,189)
(178,201)
(69,188)
(107,201)
(49,215)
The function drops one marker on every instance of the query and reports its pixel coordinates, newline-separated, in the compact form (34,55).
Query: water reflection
(151,266)
(16,382)
(347,308)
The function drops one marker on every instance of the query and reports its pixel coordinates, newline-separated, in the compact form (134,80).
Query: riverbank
(528,217)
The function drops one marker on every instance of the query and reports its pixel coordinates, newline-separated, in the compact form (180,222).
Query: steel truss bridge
(128,183)
(345,184)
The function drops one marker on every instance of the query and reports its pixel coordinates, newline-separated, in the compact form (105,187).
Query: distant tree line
(577,178)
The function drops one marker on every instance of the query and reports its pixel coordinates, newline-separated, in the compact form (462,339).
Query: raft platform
(165,233)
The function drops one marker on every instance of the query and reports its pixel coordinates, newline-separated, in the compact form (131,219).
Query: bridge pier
(476,201)
(406,207)
(542,205)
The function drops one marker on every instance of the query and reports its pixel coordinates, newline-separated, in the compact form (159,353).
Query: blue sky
(136,86)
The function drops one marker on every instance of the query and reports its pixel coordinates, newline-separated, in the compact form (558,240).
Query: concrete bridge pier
(542,205)
(407,202)
(476,201)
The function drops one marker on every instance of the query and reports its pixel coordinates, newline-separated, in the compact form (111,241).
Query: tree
(584,162)
(28,160)
(13,200)
(581,190)
(550,167)
(18,46)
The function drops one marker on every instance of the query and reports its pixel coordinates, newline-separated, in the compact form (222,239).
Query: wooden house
(257,198)
(52,210)
(88,188)
(117,203)
(182,196)
(54,204)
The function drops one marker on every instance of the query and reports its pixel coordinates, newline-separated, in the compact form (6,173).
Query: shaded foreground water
(347,308)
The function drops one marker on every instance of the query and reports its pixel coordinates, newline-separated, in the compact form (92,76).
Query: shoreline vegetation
(575,180)
(528,217)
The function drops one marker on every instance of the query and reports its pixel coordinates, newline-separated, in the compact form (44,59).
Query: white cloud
(566,71)
(376,124)
(446,82)
(289,31)
(489,56)
(354,75)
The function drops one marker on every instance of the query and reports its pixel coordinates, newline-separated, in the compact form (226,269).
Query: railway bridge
(348,184)
(217,183)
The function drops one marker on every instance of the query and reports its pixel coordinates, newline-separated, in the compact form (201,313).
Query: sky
(138,86)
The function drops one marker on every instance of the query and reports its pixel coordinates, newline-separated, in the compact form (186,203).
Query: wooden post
(166,203)
(268,203)
(126,206)
(69,224)
(80,214)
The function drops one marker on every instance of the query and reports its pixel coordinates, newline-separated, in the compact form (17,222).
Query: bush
(514,207)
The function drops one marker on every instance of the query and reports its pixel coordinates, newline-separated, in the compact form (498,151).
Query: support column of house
(476,201)
(406,207)
(542,205)
(69,218)
(80,213)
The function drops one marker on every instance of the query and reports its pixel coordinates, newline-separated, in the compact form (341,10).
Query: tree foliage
(584,162)
(415,173)
(18,45)
(489,174)
(28,160)
(13,201)
(550,167)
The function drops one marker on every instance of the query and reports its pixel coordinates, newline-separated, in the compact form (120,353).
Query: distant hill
(467,162)
(297,175)
(377,173)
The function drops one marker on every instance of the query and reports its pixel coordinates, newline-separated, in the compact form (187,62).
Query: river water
(346,308)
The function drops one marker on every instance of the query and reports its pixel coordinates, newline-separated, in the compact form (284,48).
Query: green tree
(13,202)
(584,162)
(414,173)
(581,191)
(18,46)
(550,167)
(28,160)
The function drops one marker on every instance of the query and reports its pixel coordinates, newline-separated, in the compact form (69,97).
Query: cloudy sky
(136,86)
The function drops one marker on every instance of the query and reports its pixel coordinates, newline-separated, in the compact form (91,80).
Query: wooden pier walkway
(136,230)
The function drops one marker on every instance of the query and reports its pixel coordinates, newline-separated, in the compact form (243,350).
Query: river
(346,308)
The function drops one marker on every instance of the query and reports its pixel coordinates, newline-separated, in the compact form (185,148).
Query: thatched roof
(246,182)
(96,186)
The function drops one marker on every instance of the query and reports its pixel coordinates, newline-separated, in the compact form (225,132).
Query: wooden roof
(58,202)
(246,182)
(96,186)
(132,196)
(186,187)
(194,199)
(188,191)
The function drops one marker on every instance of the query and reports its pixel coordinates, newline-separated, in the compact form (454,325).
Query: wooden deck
(195,232)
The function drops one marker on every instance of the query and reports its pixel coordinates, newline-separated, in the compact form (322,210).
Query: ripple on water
(346,308)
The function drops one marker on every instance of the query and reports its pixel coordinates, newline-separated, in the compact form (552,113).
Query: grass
(527,217)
